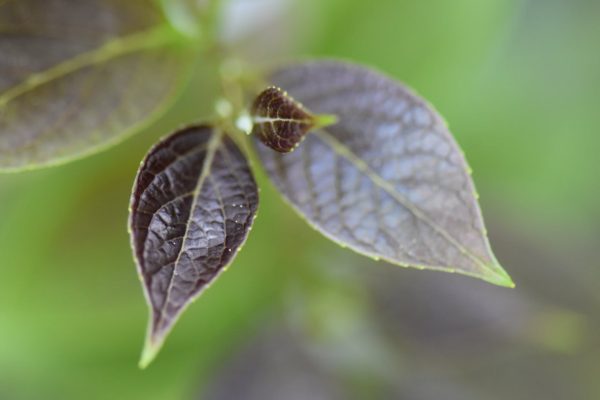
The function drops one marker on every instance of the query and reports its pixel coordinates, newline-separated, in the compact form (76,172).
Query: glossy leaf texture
(387,180)
(77,76)
(279,121)
(193,204)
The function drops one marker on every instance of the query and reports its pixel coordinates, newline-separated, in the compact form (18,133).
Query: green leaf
(193,204)
(387,180)
(78,76)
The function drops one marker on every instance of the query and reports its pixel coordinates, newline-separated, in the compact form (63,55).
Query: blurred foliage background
(296,317)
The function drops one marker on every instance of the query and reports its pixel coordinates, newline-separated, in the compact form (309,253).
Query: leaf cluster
(361,157)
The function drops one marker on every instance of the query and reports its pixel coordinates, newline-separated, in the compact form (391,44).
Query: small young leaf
(193,203)
(77,76)
(387,180)
(280,122)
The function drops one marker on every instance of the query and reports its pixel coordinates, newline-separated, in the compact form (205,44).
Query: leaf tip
(151,348)
(155,337)
(325,120)
(496,275)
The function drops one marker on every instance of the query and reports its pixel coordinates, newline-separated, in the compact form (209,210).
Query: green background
(519,84)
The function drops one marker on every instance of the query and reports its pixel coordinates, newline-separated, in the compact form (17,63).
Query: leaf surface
(77,76)
(193,204)
(387,180)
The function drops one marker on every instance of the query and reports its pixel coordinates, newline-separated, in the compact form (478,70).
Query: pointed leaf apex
(155,338)
(496,275)
(149,352)
(325,120)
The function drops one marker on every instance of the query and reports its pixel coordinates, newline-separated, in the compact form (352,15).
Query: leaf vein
(347,153)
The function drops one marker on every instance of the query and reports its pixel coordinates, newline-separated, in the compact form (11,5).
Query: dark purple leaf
(280,122)
(387,180)
(193,203)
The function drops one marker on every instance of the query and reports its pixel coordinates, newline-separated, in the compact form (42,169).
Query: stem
(193,18)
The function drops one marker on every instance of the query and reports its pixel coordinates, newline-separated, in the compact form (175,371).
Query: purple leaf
(193,204)
(387,180)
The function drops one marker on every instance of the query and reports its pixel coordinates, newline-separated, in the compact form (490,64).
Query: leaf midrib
(341,149)
(270,120)
(211,150)
(155,37)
